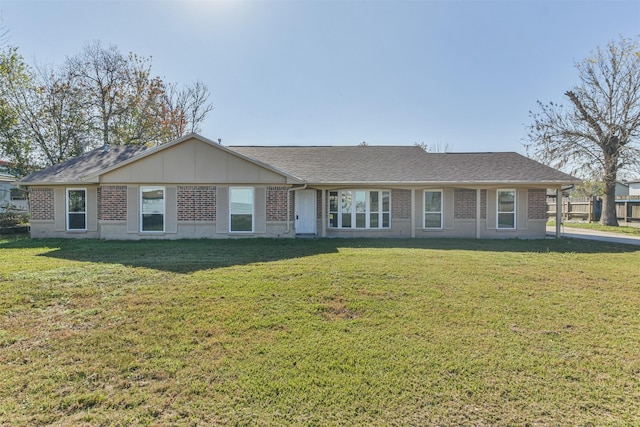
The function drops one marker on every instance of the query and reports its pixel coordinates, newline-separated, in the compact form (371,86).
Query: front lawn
(319,332)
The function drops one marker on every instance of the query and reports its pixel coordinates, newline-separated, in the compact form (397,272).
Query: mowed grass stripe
(319,332)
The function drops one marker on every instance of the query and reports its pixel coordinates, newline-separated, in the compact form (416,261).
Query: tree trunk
(609,215)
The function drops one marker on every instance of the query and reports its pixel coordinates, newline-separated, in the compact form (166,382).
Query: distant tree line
(99,96)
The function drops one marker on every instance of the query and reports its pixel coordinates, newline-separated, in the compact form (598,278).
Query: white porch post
(558,212)
(323,214)
(478,211)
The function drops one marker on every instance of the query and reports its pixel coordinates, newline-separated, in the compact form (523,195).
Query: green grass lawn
(319,332)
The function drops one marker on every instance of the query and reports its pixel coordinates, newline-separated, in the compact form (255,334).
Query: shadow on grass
(186,256)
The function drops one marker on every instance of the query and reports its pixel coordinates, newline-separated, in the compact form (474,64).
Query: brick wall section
(401,204)
(41,203)
(464,203)
(112,203)
(276,203)
(537,203)
(319,204)
(483,204)
(196,203)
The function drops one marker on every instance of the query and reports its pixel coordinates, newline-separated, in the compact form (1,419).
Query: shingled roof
(404,164)
(339,165)
(77,169)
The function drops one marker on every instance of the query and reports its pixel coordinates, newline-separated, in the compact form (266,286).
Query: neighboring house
(622,189)
(10,194)
(634,188)
(195,188)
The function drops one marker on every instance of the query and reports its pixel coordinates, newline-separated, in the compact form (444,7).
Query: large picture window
(76,209)
(364,209)
(506,207)
(241,210)
(152,212)
(433,209)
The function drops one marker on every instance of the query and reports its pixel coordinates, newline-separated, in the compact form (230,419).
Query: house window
(433,209)
(506,207)
(364,209)
(76,209)
(152,212)
(241,210)
(18,194)
(333,209)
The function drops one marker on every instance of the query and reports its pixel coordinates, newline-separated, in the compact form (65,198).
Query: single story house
(622,188)
(196,188)
(634,188)
(10,194)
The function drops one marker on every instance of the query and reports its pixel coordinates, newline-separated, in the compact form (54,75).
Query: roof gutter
(474,184)
(289,190)
(563,189)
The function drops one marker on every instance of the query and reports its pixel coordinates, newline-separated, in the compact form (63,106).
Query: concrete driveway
(581,233)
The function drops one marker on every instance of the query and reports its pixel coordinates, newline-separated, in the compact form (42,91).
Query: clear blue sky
(462,73)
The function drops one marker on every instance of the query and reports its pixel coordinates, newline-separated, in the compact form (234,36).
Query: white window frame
(83,212)
(425,212)
(515,208)
(143,189)
(253,210)
(354,211)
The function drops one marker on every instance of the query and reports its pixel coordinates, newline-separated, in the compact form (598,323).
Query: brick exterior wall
(41,203)
(112,203)
(537,202)
(319,204)
(277,203)
(401,204)
(483,204)
(464,203)
(196,203)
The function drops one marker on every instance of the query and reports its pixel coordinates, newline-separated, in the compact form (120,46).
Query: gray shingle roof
(76,169)
(341,165)
(389,164)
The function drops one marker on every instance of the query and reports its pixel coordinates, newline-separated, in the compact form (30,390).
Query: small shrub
(10,216)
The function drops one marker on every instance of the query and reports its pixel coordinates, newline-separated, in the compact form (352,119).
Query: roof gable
(187,159)
(193,159)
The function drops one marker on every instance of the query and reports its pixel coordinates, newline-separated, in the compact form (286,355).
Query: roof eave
(552,183)
(46,183)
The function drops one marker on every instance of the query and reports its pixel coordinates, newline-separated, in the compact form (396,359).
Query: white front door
(305,212)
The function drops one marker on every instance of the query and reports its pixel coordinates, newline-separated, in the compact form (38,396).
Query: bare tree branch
(598,136)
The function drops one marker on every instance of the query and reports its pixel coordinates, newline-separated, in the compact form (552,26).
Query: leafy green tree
(52,111)
(47,121)
(98,97)
(589,189)
(14,75)
(596,136)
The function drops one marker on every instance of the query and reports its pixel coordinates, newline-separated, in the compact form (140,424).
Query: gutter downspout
(288,228)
